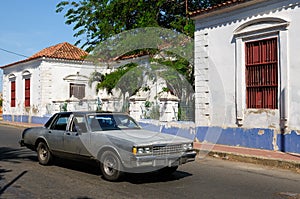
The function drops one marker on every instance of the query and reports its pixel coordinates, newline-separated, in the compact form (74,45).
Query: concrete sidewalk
(257,156)
(279,159)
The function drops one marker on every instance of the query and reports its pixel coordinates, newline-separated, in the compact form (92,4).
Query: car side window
(50,121)
(78,124)
(60,123)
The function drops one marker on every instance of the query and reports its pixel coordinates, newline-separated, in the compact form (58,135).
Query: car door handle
(68,133)
(49,132)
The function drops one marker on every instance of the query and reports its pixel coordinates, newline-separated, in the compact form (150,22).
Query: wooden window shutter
(13,94)
(27,92)
(262,74)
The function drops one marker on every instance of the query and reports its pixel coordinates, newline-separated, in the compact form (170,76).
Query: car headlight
(141,150)
(187,147)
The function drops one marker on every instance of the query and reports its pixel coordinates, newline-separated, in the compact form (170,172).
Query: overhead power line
(11,52)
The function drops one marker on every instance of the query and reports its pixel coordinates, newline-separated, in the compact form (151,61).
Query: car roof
(90,112)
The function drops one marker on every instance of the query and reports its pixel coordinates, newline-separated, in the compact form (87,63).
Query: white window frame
(259,29)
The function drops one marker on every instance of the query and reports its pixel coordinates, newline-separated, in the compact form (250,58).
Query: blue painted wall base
(257,138)
(25,119)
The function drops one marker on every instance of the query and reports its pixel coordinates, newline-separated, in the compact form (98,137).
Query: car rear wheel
(110,166)
(44,154)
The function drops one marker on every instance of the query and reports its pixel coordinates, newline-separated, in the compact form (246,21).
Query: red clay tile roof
(60,51)
(217,7)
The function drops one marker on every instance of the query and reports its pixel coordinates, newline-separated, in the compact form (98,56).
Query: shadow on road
(2,171)
(134,178)
(2,189)
(154,177)
(90,167)
(14,155)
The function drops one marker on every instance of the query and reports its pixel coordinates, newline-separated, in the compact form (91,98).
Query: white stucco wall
(220,63)
(56,76)
(50,83)
(18,72)
(294,69)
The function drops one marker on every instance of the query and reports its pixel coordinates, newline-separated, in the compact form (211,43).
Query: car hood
(124,140)
(145,137)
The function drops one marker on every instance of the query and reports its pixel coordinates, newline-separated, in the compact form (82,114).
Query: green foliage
(111,80)
(64,106)
(181,65)
(176,50)
(98,20)
(1,102)
(165,89)
(148,104)
(143,41)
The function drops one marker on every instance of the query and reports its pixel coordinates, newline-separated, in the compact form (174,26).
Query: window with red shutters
(13,93)
(27,92)
(262,74)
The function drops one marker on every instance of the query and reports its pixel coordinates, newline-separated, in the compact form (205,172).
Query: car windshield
(104,122)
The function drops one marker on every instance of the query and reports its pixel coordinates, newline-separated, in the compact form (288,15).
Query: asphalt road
(22,177)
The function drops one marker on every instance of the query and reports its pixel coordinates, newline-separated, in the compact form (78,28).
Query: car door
(76,138)
(56,131)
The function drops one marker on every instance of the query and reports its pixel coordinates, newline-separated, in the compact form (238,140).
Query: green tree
(111,80)
(97,20)
(168,43)
(102,22)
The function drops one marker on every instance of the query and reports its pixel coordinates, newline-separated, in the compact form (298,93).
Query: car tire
(44,154)
(110,166)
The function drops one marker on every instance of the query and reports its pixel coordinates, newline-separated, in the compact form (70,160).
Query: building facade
(46,82)
(246,74)
(58,78)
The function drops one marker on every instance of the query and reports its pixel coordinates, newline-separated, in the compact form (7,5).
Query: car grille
(168,149)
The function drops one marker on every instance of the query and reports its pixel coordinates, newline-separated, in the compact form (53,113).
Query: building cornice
(226,7)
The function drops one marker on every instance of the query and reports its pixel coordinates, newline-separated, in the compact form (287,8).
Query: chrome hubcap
(110,164)
(43,153)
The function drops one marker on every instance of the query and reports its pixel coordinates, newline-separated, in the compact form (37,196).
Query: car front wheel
(44,154)
(110,166)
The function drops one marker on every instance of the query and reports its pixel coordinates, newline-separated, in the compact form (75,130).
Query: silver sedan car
(114,140)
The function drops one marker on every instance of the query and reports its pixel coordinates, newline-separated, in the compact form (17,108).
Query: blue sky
(28,26)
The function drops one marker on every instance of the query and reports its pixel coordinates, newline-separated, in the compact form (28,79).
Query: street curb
(259,160)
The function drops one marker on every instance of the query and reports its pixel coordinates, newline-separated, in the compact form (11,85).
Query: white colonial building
(58,78)
(247,74)
(47,82)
